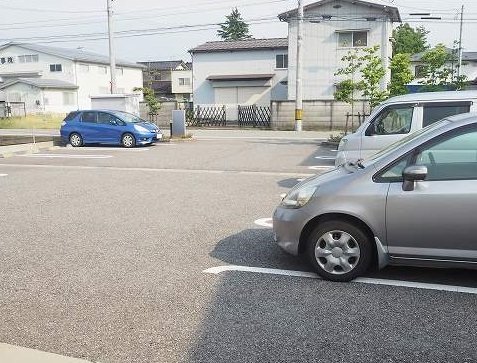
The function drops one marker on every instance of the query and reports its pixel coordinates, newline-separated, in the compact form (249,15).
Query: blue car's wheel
(128,140)
(76,140)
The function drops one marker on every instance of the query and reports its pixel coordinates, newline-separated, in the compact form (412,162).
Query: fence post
(254,111)
(347,121)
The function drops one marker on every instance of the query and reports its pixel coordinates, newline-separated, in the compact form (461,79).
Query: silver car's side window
(393,173)
(454,158)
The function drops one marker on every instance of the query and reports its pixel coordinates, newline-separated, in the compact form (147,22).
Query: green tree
(234,28)
(364,71)
(409,40)
(440,70)
(401,74)
(153,104)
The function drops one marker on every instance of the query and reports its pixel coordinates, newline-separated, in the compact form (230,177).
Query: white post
(112,58)
(460,41)
(299,90)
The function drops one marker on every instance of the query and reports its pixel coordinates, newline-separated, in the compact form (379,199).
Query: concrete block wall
(163,117)
(317,114)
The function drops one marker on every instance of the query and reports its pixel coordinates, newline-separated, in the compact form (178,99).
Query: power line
(41,10)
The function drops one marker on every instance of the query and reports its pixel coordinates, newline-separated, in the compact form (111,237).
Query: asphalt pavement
(103,252)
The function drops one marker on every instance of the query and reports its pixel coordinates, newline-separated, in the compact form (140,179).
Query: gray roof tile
(249,44)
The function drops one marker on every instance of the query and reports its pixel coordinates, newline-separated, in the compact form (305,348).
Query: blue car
(107,127)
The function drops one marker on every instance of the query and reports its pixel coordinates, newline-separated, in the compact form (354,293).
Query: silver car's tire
(76,140)
(339,251)
(128,140)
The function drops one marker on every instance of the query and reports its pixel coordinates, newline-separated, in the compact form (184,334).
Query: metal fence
(211,116)
(12,109)
(253,115)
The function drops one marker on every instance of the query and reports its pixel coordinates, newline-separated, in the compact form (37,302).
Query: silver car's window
(454,158)
(392,121)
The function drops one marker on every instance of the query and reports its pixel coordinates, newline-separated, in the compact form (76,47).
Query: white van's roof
(434,96)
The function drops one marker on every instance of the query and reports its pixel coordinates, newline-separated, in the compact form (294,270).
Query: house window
(9,59)
(420,71)
(352,39)
(84,68)
(56,68)
(29,58)
(103,69)
(119,71)
(68,98)
(184,81)
(281,61)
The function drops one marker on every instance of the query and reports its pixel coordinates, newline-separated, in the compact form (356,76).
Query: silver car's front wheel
(339,250)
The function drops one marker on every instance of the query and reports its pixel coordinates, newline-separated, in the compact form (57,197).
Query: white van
(400,116)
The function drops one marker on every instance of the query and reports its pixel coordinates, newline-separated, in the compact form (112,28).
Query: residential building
(469,69)
(170,80)
(245,72)
(331,29)
(50,79)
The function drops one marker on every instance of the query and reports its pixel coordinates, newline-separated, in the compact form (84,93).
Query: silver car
(413,203)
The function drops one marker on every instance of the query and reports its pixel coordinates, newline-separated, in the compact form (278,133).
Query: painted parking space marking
(67,156)
(264,222)
(325,157)
(3,175)
(78,149)
(14,353)
(362,280)
(321,167)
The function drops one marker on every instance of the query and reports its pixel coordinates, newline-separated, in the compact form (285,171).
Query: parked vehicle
(413,203)
(399,116)
(108,127)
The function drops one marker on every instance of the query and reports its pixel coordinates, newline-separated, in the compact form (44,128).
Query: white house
(242,72)
(331,29)
(57,80)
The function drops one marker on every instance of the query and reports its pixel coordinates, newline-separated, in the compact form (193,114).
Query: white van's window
(436,112)
(392,121)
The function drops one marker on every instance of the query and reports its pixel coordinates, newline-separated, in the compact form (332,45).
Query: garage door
(242,95)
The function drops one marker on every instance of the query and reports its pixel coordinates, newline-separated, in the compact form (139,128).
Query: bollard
(170,127)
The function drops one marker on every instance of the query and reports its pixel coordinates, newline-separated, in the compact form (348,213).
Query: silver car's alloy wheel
(128,140)
(75,140)
(337,252)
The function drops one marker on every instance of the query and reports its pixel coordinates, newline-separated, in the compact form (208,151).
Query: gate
(256,116)
(206,116)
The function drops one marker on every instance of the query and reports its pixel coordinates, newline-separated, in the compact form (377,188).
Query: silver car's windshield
(408,139)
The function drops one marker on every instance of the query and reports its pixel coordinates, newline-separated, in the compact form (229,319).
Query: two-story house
(331,29)
(170,80)
(242,72)
(57,80)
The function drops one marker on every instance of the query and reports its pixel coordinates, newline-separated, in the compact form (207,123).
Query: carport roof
(239,77)
(41,83)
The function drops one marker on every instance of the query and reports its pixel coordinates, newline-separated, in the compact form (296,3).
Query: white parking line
(67,156)
(107,149)
(3,175)
(264,222)
(363,280)
(321,167)
(325,157)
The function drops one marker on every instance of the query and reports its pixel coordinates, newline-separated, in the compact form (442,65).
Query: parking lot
(164,254)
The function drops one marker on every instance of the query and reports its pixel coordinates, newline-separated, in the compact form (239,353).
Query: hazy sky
(173,27)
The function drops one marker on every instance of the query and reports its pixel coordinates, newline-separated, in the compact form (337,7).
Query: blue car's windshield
(128,117)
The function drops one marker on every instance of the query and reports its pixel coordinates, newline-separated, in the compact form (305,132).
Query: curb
(11,150)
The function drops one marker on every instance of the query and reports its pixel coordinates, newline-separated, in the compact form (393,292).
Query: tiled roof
(163,65)
(234,45)
(41,83)
(392,11)
(73,54)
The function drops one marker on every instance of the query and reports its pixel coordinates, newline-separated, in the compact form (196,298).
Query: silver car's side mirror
(411,175)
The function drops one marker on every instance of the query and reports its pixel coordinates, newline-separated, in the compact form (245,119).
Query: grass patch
(47,121)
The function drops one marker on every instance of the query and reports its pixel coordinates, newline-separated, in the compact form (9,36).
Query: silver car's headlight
(297,198)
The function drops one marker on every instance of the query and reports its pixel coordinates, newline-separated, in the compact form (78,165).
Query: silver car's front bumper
(287,227)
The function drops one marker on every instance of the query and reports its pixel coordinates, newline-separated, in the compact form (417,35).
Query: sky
(149,30)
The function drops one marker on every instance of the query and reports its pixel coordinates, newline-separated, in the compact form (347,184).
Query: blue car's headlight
(141,129)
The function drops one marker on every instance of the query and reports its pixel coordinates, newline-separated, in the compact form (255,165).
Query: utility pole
(460,40)
(299,68)
(112,59)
